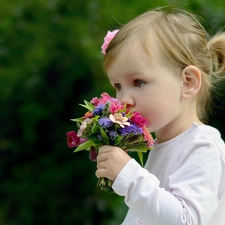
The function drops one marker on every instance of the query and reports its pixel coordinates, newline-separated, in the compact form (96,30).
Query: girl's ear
(191,81)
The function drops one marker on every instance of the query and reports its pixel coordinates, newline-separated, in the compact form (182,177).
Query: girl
(161,65)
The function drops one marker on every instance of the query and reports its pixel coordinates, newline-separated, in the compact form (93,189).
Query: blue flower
(105,122)
(112,134)
(99,136)
(132,129)
(98,110)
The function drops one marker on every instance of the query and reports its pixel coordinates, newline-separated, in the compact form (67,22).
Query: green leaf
(104,136)
(95,128)
(118,140)
(84,146)
(140,155)
(134,140)
(77,120)
(87,105)
(138,148)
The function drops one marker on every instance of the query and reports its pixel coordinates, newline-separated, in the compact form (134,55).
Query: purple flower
(105,122)
(132,129)
(112,134)
(98,110)
(99,136)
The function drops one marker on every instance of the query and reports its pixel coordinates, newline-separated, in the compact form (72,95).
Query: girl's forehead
(126,59)
(128,64)
(135,60)
(131,57)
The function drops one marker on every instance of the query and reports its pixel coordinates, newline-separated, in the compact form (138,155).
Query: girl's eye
(117,86)
(138,83)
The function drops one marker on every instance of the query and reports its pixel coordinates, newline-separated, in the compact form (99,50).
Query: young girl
(161,65)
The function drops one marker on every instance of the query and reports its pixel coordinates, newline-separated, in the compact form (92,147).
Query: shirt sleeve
(194,192)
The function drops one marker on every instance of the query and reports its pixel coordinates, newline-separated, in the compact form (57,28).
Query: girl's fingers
(101,157)
(104,148)
(101,165)
(102,153)
(110,161)
(100,173)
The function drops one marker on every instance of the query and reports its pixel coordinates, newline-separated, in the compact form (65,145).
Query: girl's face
(153,90)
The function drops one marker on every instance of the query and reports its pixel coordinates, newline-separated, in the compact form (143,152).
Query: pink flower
(104,99)
(93,154)
(108,38)
(138,119)
(73,140)
(94,101)
(115,107)
(148,137)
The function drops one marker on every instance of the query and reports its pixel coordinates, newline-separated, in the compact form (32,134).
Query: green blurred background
(50,61)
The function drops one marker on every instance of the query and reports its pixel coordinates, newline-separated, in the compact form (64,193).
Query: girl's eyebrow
(128,74)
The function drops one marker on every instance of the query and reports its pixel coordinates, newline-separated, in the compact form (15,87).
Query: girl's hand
(110,161)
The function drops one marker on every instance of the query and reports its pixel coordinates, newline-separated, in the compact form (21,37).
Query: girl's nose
(128,100)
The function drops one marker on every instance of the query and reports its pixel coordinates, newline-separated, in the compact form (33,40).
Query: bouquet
(109,122)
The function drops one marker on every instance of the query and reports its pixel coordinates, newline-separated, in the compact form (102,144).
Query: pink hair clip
(107,39)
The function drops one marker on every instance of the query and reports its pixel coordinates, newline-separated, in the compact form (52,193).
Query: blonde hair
(182,40)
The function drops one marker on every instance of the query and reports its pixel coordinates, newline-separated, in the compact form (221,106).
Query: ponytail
(216,48)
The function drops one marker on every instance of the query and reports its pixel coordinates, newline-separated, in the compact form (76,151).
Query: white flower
(119,119)
(83,126)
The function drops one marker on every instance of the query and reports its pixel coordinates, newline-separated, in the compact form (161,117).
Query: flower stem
(105,185)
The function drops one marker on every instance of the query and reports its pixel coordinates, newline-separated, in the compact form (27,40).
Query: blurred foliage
(50,61)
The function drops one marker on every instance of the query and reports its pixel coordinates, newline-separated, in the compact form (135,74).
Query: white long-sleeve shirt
(183,181)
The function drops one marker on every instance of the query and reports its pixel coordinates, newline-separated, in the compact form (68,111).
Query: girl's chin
(154,128)
(151,129)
